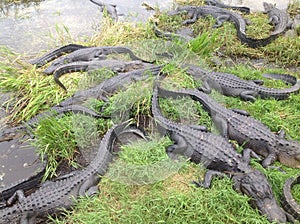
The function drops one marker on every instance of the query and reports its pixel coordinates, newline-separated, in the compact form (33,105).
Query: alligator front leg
(249,153)
(205,87)
(208,178)
(270,159)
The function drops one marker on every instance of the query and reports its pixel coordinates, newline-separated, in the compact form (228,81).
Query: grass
(141,185)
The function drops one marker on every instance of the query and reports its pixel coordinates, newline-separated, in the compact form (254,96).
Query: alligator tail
(255,43)
(279,94)
(71,67)
(289,79)
(50,56)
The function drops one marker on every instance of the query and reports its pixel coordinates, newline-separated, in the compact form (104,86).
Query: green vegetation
(168,197)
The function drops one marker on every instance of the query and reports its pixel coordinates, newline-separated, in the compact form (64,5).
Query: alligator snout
(271,209)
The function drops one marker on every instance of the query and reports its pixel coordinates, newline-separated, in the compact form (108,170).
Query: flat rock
(20,167)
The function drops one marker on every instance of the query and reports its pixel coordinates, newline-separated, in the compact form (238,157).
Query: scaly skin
(287,200)
(82,66)
(222,15)
(109,86)
(219,156)
(247,131)
(231,85)
(277,17)
(54,195)
(50,56)
(89,54)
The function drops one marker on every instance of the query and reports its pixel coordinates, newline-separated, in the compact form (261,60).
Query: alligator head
(256,186)
(289,153)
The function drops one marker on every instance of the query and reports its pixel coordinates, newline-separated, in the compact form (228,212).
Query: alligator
(50,56)
(279,18)
(53,195)
(111,9)
(17,131)
(220,158)
(112,64)
(231,85)
(222,5)
(238,125)
(184,35)
(287,200)
(91,53)
(222,15)
(109,86)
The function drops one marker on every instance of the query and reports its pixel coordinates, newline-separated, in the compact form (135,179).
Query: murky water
(38,24)
(28,28)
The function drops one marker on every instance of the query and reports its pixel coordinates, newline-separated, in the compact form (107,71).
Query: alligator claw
(197,183)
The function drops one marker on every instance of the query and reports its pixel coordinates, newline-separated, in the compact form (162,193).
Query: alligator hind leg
(248,95)
(208,178)
(221,20)
(178,148)
(88,187)
(17,196)
(221,125)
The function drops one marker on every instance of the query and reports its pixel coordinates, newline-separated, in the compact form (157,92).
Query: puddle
(18,162)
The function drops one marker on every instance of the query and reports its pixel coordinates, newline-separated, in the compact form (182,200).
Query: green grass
(141,185)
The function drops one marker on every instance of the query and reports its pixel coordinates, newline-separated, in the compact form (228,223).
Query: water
(37,24)
(28,28)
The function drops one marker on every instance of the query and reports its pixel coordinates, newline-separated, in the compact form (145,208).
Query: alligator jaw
(255,185)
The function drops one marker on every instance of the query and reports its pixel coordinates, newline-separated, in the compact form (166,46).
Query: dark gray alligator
(219,157)
(50,56)
(279,18)
(222,5)
(287,200)
(112,64)
(53,195)
(222,15)
(247,131)
(89,54)
(111,85)
(231,85)
(109,8)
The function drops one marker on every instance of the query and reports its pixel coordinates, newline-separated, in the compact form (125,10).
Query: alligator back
(214,151)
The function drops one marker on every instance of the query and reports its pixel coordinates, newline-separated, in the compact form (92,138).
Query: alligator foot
(249,153)
(208,178)
(248,95)
(17,196)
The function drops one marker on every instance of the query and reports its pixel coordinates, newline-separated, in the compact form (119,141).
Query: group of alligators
(193,141)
